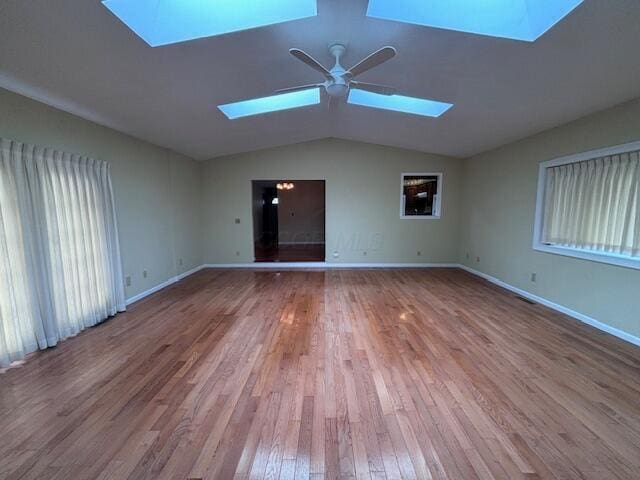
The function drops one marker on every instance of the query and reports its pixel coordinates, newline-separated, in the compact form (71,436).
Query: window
(420,195)
(518,19)
(60,268)
(398,103)
(163,22)
(588,206)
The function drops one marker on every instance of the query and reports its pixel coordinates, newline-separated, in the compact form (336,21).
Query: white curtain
(595,205)
(60,268)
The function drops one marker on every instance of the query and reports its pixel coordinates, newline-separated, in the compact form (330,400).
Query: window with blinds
(589,206)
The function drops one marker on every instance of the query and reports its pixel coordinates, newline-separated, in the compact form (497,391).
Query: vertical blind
(60,267)
(595,205)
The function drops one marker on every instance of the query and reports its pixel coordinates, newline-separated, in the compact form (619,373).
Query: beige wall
(500,196)
(157,191)
(362,201)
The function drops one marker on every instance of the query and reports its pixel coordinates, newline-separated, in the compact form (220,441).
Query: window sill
(609,258)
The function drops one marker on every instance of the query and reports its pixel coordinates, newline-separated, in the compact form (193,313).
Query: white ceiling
(77,56)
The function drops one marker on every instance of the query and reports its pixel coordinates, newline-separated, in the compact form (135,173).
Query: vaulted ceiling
(75,55)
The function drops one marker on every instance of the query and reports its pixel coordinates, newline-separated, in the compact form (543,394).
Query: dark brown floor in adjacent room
(367,374)
(312,252)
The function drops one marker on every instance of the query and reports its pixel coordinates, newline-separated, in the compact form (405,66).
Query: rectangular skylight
(274,103)
(161,22)
(398,103)
(517,19)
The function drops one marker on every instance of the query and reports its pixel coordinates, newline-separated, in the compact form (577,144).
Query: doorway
(289,220)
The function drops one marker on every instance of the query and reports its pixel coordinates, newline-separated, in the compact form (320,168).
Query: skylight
(398,103)
(161,22)
(274,103)
(517,19)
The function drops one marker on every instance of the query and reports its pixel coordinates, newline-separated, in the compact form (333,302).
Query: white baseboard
(559,308)
(164,284)
(298,265)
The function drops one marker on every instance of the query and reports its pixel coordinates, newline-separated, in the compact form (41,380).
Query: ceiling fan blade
(299,87)
(373,87)
(373,60)
(309,60)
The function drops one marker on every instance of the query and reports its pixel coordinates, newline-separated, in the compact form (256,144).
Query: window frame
(601,257)
(438,206)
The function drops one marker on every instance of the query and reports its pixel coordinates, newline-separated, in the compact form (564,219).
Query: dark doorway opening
(289,220)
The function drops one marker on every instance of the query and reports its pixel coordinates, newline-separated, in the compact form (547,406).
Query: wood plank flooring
(355,374)
(306,252)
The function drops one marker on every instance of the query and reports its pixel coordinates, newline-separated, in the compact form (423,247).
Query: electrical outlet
(179,261)
(419,253)
(364,253)
(478,259)
(336,254)
(237,254)
(144,274)
(127,280)
(533,277)
(467,255)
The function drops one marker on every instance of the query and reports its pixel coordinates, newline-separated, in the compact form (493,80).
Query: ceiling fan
(339,81)
(340,85)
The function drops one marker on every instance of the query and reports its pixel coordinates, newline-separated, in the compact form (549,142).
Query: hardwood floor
(313,252)
(339,374)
